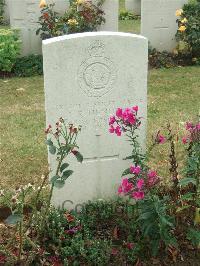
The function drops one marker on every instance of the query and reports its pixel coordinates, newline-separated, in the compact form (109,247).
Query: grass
(172,94)
(132,26)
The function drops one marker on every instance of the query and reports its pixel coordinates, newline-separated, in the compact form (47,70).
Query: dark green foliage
(155,223)
(27,66)
(126,15)
(9,49)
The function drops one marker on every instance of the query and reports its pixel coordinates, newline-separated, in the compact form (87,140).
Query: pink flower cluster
(193,133)
(122,119)
(136,186)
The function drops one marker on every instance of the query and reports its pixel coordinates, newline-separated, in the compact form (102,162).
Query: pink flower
(198,126)
(140,183)
(138,195)
(152,178)
(135,108)
(131,119)
(111,129)
(161,139)
(125,114)
(130,245)
(120,189)
(114,251)
(118,131)
(185,140)
(112,120)
(188,125)
(119,112)
(135,169)
(125,186)
(152,174)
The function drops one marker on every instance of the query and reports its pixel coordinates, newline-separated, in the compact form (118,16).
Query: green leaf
(186,181)
(78,156)
(49,142)
(66,174)
(179,209)
(54,178)
(52,149)
(194,236)
(126,172)
(188,196)
(63,166)
(59,183)
(129,157)
(13,219)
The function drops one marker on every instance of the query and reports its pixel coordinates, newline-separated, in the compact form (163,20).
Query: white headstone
(158,22)
(24,15)
(133,6)
(87,77)
(6,14)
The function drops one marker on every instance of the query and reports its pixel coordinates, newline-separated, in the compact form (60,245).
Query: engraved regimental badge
(97,73)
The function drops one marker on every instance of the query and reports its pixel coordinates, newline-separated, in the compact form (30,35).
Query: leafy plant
(156,225)
(194,236)
(126,15)
(28,66)
(9,49)
(61,144)
(192,169)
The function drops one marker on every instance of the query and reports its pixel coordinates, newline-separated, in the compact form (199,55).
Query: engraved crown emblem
(96,49)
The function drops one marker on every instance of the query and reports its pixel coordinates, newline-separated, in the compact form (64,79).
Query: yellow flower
(184,20)
(179,12)
(42,4)
(197,216)
(72,22)
(80,2)
(182,28)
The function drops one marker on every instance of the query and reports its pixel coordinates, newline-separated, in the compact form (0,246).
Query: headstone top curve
(91,34)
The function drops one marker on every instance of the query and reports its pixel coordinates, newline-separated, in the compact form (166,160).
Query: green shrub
(28,66)
(126,15)
(188,34)
(9,49)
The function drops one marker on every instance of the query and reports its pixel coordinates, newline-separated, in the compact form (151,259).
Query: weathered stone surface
(87,76)
(158,22)
(133,6)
